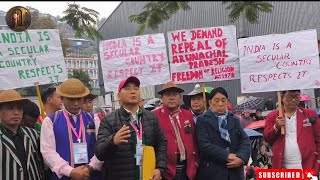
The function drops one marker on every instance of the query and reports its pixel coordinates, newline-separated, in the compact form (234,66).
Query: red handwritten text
(124,73)
(206,33)
(186,47)
(114,44)
(199,56)
(302,62)
(144,59)
(119,53)
(253,49)
(270,77)
(156,67)
(187,76)
(206,63)
(265,58)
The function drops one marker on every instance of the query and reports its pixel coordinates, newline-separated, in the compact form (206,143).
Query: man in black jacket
(120,141)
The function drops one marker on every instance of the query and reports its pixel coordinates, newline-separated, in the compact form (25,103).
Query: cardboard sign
(142,56)
(279,62)
(29,57)
(204,54)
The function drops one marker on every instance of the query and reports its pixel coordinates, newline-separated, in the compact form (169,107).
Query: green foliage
(250,9)
(39,21)
(156,12)
(83,77)
(87,52)
(83,21)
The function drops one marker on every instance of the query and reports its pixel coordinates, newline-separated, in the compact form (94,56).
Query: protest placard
(279,62)
(142,56)
(203,54)
(29,57)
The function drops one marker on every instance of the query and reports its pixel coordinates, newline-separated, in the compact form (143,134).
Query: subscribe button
(285,174)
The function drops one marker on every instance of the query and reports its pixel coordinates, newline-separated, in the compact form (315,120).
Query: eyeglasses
(291,97)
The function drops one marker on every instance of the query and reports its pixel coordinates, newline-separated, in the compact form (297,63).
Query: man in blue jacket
(224,147)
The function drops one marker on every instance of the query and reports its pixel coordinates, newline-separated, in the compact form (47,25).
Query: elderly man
(19,146)
(124,132)
(300,146)
(195,101)
(179,128)
(68,136)
(224,146)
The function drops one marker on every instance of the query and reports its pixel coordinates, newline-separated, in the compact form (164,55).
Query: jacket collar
(8,143)
(165,110)
(214,123)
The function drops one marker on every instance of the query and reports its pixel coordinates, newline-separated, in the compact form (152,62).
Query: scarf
(222,118)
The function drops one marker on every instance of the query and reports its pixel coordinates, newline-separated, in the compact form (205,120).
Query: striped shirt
(11,167)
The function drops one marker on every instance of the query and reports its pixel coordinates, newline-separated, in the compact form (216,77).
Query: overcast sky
(56,8)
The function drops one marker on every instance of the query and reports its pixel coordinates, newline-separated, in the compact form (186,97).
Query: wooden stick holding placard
(283,130)
(204,95)
(40,100)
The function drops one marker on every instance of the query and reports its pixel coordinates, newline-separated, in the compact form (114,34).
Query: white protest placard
(142,56)
(279,62)
(203,54)
(29,57)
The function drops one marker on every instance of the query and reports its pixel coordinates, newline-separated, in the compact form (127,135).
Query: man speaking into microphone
(299,148)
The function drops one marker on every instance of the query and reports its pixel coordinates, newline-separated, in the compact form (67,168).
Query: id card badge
(139,154)
(80,153)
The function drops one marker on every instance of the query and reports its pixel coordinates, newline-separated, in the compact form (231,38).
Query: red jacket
(308,139)
(188,140)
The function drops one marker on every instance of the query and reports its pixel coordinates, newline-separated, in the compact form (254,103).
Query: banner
(204,54)
(142,56)
(29,57)
(279,62)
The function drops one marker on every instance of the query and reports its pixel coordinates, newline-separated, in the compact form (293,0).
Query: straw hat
(11,96)
(170,86)
(197,90)
(73,88)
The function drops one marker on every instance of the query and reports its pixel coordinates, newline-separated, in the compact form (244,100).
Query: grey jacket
(119,159)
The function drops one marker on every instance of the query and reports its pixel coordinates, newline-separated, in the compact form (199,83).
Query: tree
(156,12)
(87,52)
(250,9)
(83,21)
(39,21)
(83,77)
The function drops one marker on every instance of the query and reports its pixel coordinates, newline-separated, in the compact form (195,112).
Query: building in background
(88,65)
(286,17)
(83,56)
(3,24)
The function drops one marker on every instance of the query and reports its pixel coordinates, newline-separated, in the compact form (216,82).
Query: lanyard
(78,135)
(139,135)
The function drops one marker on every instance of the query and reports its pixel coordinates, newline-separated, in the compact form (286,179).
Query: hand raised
(122,135)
